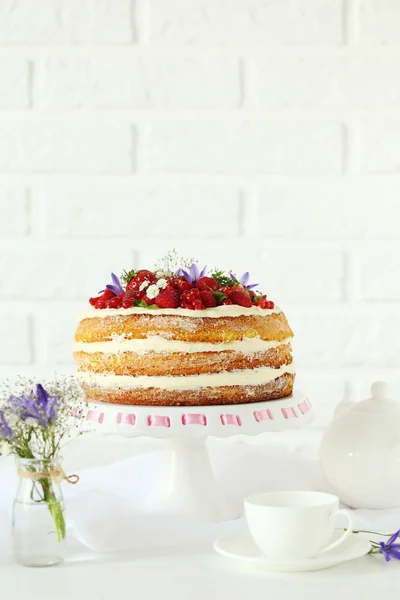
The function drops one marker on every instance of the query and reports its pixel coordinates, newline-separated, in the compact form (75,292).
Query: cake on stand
(186,484)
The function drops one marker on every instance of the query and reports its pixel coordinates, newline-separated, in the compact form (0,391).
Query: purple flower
(5,429)
(244,280)
(389,549)
(193,275)
(115,286)
(40,406)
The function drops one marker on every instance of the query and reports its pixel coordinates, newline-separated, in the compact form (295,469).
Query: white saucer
(241,547)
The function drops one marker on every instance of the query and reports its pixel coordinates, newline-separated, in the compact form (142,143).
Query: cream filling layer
(246,377)
(231,310)
(157,343)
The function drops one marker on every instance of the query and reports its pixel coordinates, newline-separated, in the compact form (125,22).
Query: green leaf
(143,304)
(223,279)
(219,296)
(128,275)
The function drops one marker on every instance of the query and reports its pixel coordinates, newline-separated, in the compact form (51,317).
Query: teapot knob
(380,390)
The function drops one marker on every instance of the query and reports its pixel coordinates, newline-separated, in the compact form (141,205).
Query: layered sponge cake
(183,338)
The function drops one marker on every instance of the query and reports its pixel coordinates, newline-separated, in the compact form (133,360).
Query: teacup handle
(345,535)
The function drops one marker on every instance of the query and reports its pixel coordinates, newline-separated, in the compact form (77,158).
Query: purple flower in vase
(115,286)
(389,549)
(5,429)
(244,280)
(39,406)
(193,275)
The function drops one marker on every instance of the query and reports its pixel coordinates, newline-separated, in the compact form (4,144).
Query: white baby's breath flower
(31,422)
(12,419)
(5,448)
(162,283)
(144,285)
(152,291)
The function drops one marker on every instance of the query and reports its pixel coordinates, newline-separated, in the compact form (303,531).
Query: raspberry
(262,303)
(167,300)
(127,304)
(241,299)
(206,283)
(182,284)
(226,301)
(270,304)
(100,304)
(208,299)
(193,294)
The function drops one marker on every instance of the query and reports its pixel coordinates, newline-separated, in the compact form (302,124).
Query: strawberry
(241,299)
(206,283)
(127,304)
(208,299)
(133,295)
(141,276)
(106,295)
(133,285)
(167,300)
(226,289)
(226,301)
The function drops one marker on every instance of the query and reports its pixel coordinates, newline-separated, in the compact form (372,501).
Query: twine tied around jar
(57,475)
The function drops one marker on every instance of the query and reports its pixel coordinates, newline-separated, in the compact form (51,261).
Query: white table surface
(170,557)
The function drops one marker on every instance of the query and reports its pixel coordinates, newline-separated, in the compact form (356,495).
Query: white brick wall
(256,135)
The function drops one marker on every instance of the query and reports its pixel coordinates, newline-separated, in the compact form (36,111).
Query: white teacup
(294,525)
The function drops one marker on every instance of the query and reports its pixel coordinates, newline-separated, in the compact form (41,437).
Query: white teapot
(360,451)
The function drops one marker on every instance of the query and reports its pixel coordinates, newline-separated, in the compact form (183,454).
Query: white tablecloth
(115,551)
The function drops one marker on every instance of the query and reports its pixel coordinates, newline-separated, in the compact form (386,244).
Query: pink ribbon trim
(304,408)
(231,420)
(126,419)
(288,413)
(194,419)
(262,415)
(95,417)
(158,421)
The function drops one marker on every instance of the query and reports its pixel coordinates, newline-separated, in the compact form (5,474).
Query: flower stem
(55,508)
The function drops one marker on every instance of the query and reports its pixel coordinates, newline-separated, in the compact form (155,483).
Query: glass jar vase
(38,522)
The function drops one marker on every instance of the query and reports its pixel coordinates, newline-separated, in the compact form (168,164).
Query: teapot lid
(380,401)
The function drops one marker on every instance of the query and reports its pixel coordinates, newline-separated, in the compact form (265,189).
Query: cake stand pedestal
(186,484)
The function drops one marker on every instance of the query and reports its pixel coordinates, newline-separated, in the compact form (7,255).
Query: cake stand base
(186,484)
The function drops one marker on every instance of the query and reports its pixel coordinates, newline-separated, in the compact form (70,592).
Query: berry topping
(241,299)
(167,299)
(169,285)
(206,283)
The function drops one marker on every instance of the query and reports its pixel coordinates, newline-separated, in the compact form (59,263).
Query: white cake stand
(186,484)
